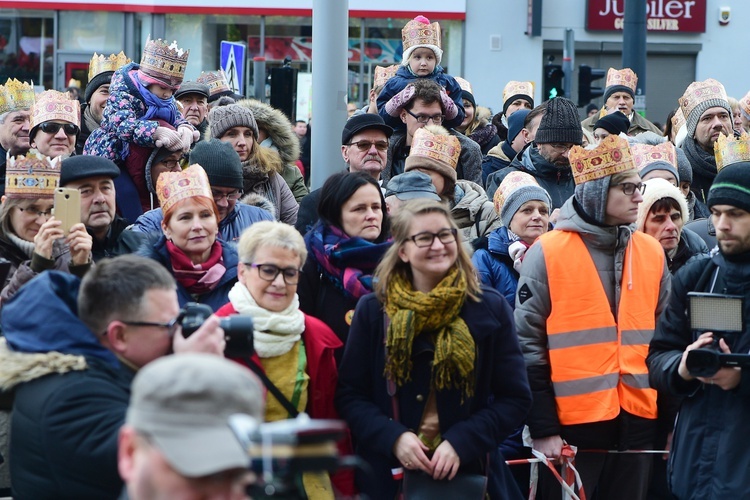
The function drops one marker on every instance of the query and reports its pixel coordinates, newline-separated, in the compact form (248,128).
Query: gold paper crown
(698,92)
(511,182)
(173,187)
(163,62)
(729,150)
(464,84)
(515,88)
(745,104)
(31,176)
(216,81)
(54,105)
(610,157)
(383,74)
(100,64)
(15,95)
(678,121)
(645,154)
(625,77)
(443,148)
(419,31)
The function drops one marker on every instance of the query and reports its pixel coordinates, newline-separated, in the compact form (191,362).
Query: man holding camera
(709,459)
(176,442)
(72,351)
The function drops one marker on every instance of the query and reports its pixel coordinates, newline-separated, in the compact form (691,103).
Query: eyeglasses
(426,238)
(233,196)
(268,272)
(171,326)
(53,128)
(366,145)
(33,212)
(436,119)
(628,188)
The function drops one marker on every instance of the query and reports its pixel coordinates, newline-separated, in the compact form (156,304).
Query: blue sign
(233,64)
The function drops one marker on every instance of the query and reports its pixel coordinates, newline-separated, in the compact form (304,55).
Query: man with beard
(15,100)
(93,177)
(707,460)
(101,70)
(707,115)
(194,99)
(547,158)
(364,147)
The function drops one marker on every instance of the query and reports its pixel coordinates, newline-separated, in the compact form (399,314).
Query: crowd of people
(469,288)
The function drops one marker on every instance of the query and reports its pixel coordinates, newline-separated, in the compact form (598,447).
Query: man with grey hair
(176,441)
(15,100)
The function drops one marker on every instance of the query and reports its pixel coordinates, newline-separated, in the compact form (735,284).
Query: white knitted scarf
(275,333)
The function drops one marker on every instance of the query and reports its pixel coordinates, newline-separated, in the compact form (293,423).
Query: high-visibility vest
(598,365)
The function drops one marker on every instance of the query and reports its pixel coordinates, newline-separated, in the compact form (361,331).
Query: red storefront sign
(663,15)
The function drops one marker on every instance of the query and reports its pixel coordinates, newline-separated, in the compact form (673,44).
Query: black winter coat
(709,457)
(474,428)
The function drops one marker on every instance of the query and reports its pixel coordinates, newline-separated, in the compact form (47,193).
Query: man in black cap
(194,99)
(547,158)
(364,147)
(93,177)
(224,171)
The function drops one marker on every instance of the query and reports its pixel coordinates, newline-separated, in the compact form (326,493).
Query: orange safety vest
(598,365)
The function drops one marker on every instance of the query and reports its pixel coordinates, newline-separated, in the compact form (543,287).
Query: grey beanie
(220,161)
(560,123)
(517,198)
(700,96)
(592,197)
(683,167)
(222,118)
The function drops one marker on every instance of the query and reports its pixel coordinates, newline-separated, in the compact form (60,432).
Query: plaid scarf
(412,313)
(347,262)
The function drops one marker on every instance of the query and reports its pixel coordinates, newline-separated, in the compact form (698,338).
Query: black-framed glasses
(34,212)
(436,119)
(54,127)
(268,272)
(366,145)
(233,196)
(171,326)
(628,188)
(426,239)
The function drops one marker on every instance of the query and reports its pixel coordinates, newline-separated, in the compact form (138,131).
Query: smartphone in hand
(67,207)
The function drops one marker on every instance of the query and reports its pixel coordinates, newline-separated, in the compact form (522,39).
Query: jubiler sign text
(663,15)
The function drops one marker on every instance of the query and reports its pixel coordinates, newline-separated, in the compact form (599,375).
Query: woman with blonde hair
(432,378)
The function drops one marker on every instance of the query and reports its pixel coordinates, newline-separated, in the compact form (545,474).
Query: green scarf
(412,313)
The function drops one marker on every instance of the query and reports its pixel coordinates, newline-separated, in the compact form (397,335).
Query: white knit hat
(656,189)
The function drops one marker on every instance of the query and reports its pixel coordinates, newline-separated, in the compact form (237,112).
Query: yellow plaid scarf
(411,313)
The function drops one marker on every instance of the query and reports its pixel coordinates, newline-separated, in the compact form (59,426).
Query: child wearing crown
(421,59)
(139,95)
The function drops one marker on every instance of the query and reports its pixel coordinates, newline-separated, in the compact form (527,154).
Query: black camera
(279,451)
(238,329)
(722,315)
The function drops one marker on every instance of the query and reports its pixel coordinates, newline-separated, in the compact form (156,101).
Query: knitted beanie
(616,123)
(657,189)
(731,187)
(516,189)
(560,123)
(95,83)
(222,118)
(592,197)
(515,123)
(683,166)
(220,161)
(700,96)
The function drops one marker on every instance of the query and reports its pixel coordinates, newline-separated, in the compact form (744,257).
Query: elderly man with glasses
(224,170)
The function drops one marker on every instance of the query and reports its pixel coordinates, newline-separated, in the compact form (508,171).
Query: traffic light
(553,81)
(586,76)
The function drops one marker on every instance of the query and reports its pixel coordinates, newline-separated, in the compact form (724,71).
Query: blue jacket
(404,77)
(216,297)
(230,228)
(495,267)
(65,421)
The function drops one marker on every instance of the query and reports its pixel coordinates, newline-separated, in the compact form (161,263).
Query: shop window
(27,46)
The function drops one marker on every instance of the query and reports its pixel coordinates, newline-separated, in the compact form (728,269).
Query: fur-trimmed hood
(278,126)
(20,367)
(260,201)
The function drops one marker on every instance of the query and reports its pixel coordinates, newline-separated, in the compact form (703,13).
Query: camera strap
(288,406)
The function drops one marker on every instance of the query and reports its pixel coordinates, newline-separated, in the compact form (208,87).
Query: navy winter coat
(495,267)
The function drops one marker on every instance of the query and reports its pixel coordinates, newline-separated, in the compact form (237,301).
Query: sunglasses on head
(53,128)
